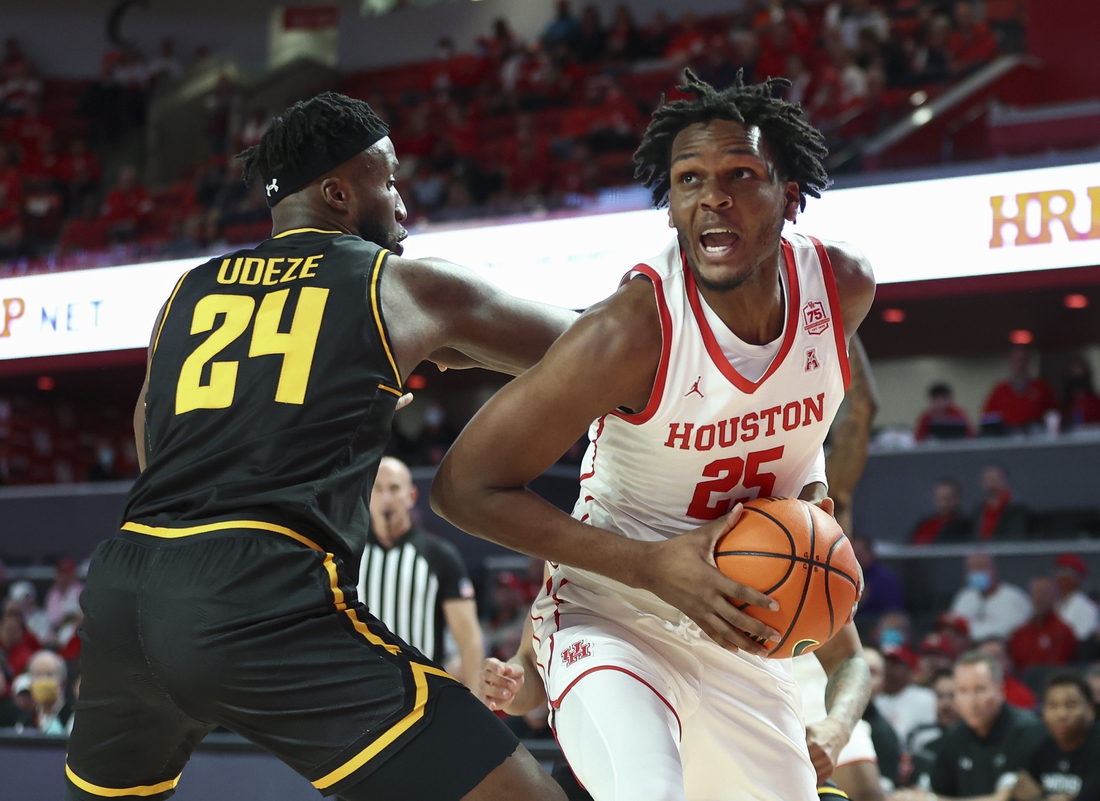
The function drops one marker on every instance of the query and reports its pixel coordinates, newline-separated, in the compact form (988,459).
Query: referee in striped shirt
(415,582)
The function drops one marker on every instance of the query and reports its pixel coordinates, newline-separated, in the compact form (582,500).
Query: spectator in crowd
(994,740)
(973,44)
(948,524)
(955,629)
(18,82)
(934,655)
(1079,611)
(53,709)
(905,705)
(991,608)
(164,65)
(882,591)
(127,205)
(104,104)
(562,30)
(1045,639)
(63,597)
(1066,763)
(11,209)
(17,644)
(436,436)
(892,630)
(654,36)
(509,614)
(255,128)
(397,551)
(883,735)
(688,43)
(30,130)
(998,518)
(1020,402)
(944,419)
(11,714)
(850,18)
(622,43)
(21,694)
(1016,692)
(104,468)
(87,231)
(81,171)
(1092,676)
(36,620)
(1080,403)
(590,40)
(943,685)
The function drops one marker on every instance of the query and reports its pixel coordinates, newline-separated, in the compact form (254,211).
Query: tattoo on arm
(849,691)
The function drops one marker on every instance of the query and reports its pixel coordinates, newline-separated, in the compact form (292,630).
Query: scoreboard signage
(976,225)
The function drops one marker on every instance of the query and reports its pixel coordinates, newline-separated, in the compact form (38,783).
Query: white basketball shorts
(648,709)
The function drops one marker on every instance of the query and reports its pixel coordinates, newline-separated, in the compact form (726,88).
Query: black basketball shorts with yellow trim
(255,628)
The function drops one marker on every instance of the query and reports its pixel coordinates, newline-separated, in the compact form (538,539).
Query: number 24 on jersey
(296,346)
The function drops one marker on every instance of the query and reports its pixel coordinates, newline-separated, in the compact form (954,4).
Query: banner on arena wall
(944,228)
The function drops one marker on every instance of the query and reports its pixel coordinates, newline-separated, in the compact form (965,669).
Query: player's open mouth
(718,242)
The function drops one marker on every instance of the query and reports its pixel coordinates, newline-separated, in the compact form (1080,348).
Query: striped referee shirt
(405,586)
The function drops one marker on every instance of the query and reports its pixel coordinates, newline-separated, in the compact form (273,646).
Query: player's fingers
(720,527)
(747,624)
(827,506)
(512,671)
(732,635)
(736,591)
(494,666)
(404,401)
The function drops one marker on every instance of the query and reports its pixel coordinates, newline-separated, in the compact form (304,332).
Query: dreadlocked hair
(328,116)
(797,147)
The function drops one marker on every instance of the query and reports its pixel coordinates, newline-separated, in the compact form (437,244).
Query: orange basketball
(797,554)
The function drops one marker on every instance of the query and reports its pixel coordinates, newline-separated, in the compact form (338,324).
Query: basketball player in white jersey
(712,376)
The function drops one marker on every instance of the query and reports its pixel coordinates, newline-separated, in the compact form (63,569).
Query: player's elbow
(451,496)
(442,495)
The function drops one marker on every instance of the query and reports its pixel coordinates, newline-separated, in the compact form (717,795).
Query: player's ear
(791,201)
(671,224)
(332,190)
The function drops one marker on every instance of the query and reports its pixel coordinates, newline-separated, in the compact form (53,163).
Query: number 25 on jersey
(296,347)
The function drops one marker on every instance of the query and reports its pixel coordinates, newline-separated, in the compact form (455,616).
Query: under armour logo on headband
(273,186)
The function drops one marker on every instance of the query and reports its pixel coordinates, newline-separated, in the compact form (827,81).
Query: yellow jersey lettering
(223,274)
(253,271)
(311,266)
(270,274)
(289,274)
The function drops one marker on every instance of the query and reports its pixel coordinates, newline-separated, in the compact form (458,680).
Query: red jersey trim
(835,311)
(595,452)
(658,391)
(557,703)
(794,303)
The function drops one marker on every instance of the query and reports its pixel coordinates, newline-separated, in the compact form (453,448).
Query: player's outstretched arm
(438,310)
(846,696)
(608,359)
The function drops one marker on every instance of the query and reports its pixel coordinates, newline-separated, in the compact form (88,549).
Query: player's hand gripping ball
(797,554)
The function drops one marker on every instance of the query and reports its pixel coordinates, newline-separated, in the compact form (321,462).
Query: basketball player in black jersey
(228,597)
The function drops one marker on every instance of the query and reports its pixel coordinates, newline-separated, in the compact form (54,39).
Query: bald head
(392,501)
(47,664)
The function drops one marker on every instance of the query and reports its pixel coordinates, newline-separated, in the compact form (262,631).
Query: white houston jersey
(710,437)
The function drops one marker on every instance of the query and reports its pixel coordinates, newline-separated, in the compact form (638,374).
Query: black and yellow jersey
(272,388)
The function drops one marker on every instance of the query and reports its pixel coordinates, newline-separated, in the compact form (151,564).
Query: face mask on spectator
(45,690)
(980,580)
(891,636)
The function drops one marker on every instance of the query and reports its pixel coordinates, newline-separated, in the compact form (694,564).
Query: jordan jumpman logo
(695,388)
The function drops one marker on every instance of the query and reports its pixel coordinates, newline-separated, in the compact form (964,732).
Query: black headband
(318,158)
